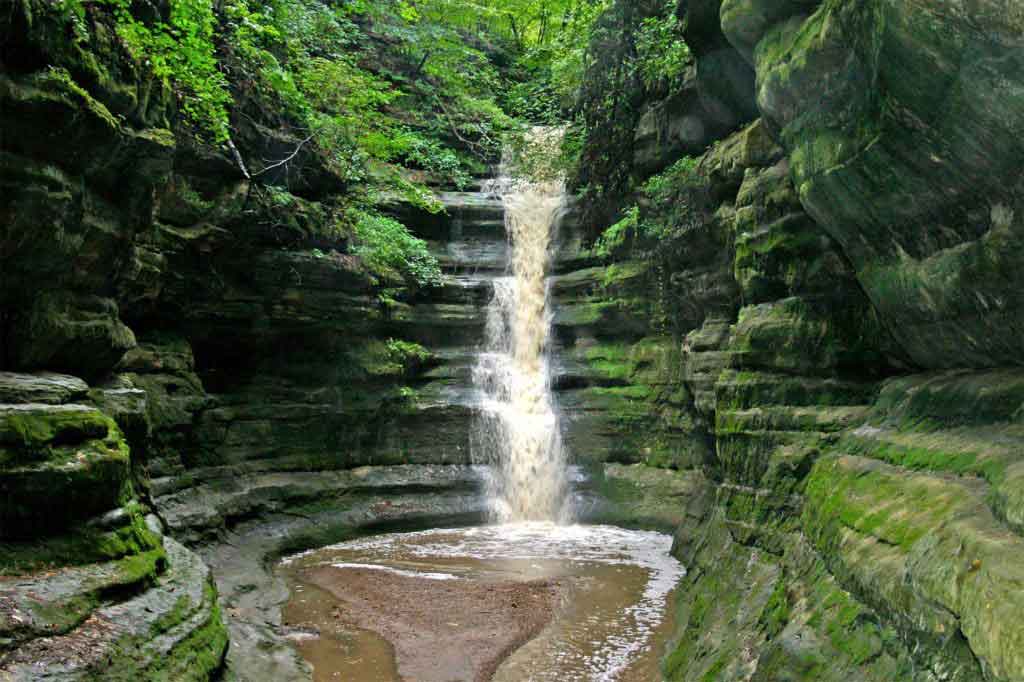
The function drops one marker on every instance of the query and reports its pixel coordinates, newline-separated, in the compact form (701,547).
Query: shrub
(389,249)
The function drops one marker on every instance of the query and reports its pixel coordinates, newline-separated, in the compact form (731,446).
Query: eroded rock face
(226,359)
(715,99)
(859,517)
(90,587)
(903,122)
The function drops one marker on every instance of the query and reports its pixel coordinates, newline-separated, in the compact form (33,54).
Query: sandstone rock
(58,464)
(79,333)
(42,387)
(917,179)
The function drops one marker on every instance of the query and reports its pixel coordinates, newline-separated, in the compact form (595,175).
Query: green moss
(59,80)
(129,574)
(638,392)
(618,276)
(81,545)
(990,466)
(73,483)
(897,510)
(195,658)
(776,612)
(712,673)
(950,399)
(32,434)
(391,358)
(613,360)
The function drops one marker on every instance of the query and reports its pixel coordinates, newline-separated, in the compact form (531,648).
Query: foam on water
(429,575)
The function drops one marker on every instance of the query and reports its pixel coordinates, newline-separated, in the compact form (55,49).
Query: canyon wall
(817,370)
(197,371)
(842,372)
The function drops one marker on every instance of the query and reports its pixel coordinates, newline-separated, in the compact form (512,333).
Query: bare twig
(285,160)
(423,62)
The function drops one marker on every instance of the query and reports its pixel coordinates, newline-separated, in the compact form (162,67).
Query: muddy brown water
(505,603)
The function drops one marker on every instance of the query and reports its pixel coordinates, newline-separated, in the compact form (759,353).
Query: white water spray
(518,433)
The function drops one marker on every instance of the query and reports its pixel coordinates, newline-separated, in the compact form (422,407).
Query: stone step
(228,494)
(786,418)
(994,453)
(55,602)
(743,389)
(58,464)
(929,543)
(465,256)
(172,631)
(41,387)
(472,205)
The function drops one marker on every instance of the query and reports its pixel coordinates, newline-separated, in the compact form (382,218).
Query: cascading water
(517,432)
(530,597)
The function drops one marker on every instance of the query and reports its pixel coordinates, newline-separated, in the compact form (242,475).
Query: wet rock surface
(816,382)
(860,415)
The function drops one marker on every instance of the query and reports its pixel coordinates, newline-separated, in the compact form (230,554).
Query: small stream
(515,602)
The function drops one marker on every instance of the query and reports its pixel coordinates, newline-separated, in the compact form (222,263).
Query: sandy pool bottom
(507,603)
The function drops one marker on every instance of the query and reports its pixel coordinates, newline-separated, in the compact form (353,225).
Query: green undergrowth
(671,206)
(389,249)
(179,48)
(636,54)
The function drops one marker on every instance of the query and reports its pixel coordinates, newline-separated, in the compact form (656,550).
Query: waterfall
(517,431)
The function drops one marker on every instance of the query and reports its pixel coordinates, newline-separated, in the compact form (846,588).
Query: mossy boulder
(58,464)
(904,123)
(925,550)
(780,250)
(806,337)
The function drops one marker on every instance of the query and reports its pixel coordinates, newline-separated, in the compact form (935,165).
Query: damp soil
(471,605)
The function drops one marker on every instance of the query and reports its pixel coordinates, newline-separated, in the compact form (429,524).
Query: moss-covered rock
(58,464)
(70,332)
(804,337)
(926,551)
(172,631)
(901,122)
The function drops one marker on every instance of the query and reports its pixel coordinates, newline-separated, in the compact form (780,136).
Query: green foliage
(635,54)
(664,185)
(431,155)
(182,52)
(540,154)
(662,54)
(550,72)
(617,235)
(389,249)
(776,613)
(672,201)
(408,352)
(387,95)
(379,87)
